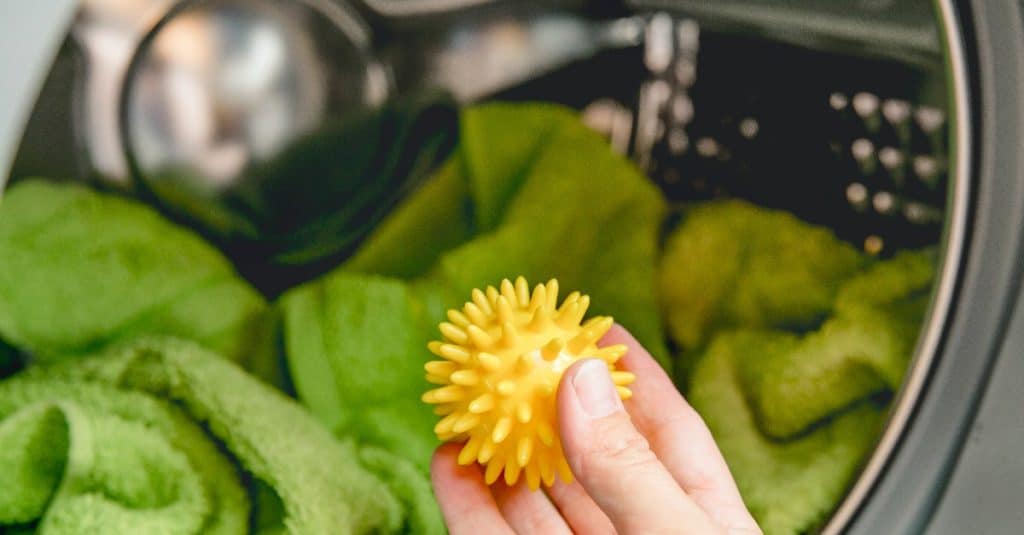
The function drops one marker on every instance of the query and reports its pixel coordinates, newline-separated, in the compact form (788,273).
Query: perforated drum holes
(838,140)
(926,168)
(658,51)
(749,128)
(682,109)
(884,202)
(896,111)
(929,119)
(873,244)
(838,101)
(707,147)
(857,194)
(678,142)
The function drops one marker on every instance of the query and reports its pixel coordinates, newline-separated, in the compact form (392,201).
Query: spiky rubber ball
(504,354)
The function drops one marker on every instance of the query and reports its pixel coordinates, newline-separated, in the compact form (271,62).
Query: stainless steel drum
(897,123)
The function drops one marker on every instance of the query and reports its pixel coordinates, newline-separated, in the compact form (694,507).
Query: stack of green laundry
(112,431)
(793,341)
(159,436)
(786,339)
(87,278)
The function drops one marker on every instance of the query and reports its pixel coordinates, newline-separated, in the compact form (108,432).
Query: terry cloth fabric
(796,414)
(160,436)
(81,269)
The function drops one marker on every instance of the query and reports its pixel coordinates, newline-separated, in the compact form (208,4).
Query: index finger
(679,436)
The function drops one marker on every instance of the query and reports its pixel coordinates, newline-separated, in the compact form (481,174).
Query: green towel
(160,436)
(733,264)
(796,414)
(790,486)
(81,269)
(530,191)
(356,347)
(864,348)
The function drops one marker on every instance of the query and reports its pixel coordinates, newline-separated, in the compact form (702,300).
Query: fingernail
(594,389)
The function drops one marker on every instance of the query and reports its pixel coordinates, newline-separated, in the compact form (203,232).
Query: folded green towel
(530,191)
(80,269)
(796,414)
(160,436)
(864,348)
(733,264)
(355,347)
(790,486)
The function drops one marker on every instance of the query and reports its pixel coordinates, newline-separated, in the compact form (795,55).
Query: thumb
(614,462)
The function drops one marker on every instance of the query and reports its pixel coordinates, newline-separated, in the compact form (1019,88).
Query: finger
(579,509)
(528,511)
(466,502)
(613,461)
(679,436)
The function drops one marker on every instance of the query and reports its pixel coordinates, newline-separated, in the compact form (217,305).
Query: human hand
(651,467)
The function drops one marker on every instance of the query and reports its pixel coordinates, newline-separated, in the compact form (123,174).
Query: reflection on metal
(665,108)
(956,223)
(216,84)
(221,85)
(108,34)
(611,119)
(477,58)
(659,49)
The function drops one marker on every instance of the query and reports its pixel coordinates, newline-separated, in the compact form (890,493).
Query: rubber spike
(481,301)
(486,451)
(524,450)
(458,318)
(466,422)
(440,367)
(504,308)
(522,292)
(479,337)
(465,378)
(552,349)
(508,291)
(492,294)
(475,315)
(469,451)
(453,333)
(502,430)
(482,404)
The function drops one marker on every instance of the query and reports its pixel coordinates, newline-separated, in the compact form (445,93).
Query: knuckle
(632,449)
(616,447)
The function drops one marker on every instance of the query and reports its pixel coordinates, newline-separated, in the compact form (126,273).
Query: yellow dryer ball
(504,354)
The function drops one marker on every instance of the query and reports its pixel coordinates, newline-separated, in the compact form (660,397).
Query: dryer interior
(839,116)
